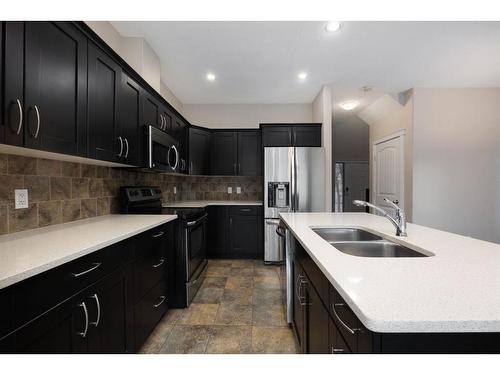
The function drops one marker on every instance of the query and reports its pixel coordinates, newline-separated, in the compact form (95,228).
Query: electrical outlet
(229,190)
(175,189)
(21,198)
(238,190)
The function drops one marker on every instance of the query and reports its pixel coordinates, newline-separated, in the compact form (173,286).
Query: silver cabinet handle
(190,167)
(159,264)
(126,144)
(161,122)
(98,304)
(335,350)
(159,234)
(349,329)
(95,266)
(301,283)
(37,122)
(20,123)
(121,146)
(163,298)
(84,333)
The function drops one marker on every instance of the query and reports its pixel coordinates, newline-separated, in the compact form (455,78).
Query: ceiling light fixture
(211,76)
(349,105)
(333,26)
(302,76)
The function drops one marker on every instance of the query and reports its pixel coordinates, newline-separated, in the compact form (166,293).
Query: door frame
(398,134)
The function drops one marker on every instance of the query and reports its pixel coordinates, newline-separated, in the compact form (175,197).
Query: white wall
(322,112)
(245,115)
(456,161)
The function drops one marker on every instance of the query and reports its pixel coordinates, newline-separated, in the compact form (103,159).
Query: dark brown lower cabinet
(123,299)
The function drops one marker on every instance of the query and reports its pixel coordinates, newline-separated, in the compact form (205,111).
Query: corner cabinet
(199,151)
(291,135)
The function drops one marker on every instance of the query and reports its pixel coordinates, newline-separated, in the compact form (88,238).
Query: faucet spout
(399,224)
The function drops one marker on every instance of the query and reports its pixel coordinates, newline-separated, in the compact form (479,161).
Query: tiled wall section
(60,191)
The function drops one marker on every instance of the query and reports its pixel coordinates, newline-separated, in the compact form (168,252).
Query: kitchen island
(451,296)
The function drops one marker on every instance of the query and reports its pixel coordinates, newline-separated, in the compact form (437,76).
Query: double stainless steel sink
(361,243)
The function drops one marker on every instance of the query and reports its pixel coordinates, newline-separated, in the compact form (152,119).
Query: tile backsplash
(60,191)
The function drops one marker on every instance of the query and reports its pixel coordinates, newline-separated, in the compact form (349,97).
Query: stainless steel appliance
(191,261)
(162,151)
(294,181)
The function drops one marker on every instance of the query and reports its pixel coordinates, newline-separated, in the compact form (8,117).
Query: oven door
(196,255)
(163,151)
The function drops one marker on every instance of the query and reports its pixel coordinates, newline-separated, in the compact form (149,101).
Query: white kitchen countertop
(26,254)
(201,204)
(456,290)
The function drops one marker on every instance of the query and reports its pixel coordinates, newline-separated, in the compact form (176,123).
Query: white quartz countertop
(456,290)
(26,254)
(201,204)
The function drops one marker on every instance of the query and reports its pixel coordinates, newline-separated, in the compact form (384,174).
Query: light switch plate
(21,198)
(238,190)
(229,190)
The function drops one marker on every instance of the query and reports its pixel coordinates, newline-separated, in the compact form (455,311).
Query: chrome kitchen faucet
(399,222)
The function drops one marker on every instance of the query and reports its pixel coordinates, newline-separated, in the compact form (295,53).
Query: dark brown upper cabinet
(130,120)
(291,135)
(55,87)
(151,111)
(236,152)
(104,88)
(225,153)
(199,151)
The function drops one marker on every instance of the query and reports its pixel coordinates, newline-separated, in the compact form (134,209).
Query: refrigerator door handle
(291,162)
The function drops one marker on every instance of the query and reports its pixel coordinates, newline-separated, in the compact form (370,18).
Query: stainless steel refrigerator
(294,179)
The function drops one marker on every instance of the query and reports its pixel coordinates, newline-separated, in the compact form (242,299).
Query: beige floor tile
(217,271)
(267,297)
(186,339)
(199,314)
(172,316)
(266,271)
(220,262)
(238,296)
(267,282)
(214,282)
(269,315)
(157,338)
(230,339)
(273,340)
(239,282)
(243,263)
(234,314)
(208,295)
(241,271)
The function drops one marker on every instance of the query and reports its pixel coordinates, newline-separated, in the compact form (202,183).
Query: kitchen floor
(238,309)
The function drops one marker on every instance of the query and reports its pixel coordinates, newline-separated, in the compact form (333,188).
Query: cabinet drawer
(148,312)
(38,294)
(148,270)
(245,210)
(316,277)
(156,237)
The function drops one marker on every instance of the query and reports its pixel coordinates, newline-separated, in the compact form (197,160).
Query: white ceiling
(258,62)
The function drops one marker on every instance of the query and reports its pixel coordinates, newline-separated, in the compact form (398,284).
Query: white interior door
(388,172)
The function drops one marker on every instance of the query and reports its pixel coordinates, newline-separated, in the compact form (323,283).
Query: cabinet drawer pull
(95,266)
(163,298)
(159,264)
(335,350)
(121,146)
(98,305)
(20,123)
(351,331)
(245,209)
(126,144)
(84,307)
(37,122)
(159,234)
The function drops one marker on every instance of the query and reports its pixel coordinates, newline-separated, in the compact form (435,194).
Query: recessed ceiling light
(349,105)
(333,26)
(211,76)
(302,76)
